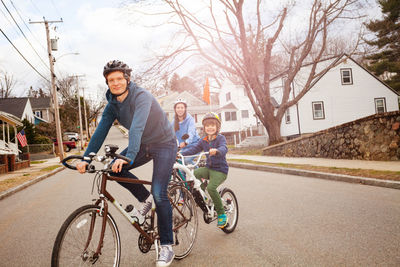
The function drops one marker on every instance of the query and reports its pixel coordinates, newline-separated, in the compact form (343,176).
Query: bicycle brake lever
(91,169)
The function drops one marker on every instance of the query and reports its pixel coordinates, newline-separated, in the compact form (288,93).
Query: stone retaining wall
(375,137)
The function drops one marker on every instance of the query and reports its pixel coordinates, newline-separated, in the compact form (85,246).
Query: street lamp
(72,53)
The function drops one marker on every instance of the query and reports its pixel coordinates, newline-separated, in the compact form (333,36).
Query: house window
(318,110)
(38,113)
(287,116)
(347,77)
(245,114)
(230,116)
(380,105)
(228,96)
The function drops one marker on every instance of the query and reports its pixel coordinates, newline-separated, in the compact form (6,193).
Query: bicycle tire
(184,231)
(231,207)
(73,235)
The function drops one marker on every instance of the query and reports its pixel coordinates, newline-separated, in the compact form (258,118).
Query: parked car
(69,144)
(71,136)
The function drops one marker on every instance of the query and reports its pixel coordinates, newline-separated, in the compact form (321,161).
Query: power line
(12,3)
(23,33)
(23,56)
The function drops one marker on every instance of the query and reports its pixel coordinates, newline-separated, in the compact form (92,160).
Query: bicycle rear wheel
(184,219)
(69,247)
(231,209)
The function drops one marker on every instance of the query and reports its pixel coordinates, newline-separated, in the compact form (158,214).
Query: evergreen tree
(387,30)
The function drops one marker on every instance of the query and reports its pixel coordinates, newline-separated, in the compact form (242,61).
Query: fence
(39,151)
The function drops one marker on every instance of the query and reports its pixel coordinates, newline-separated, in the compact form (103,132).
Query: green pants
(215,179)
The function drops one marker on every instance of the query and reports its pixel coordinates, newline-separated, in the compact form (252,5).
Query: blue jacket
(217,162)
(187,126)
(141,114)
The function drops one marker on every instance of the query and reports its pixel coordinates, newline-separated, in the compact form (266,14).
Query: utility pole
(79,108)
(84,108)
(53,86)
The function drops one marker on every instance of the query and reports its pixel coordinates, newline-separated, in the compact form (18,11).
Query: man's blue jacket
(141,114)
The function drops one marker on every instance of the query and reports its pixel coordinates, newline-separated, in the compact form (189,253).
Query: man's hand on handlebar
(81,166)
(117,165)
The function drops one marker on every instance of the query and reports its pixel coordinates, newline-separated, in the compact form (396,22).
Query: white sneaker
(146,206)
(166,256)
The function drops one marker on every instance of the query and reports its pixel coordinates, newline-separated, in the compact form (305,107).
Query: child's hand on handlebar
(81,166)
(117,166)
(213,151)
(182,145)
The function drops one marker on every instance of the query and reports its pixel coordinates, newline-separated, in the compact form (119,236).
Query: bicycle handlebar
(198,159)
(110,155)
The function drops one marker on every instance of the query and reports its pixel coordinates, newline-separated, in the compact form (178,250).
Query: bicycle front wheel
(184,219)
(231,209)
(79,236)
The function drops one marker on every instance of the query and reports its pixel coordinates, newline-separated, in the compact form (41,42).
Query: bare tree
(7,84)
(248,47)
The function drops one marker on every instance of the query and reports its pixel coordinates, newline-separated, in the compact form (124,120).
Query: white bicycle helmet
(180,100)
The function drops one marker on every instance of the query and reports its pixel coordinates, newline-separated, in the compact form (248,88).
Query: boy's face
(117,82)
(210,127)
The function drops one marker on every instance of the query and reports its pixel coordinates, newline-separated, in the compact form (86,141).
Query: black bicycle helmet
(117,65)
(212,116)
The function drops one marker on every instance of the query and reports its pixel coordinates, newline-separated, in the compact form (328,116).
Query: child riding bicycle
(216,169)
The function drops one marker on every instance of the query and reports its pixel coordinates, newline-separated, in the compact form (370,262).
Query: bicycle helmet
(212,116)
(116,65)
(180,100)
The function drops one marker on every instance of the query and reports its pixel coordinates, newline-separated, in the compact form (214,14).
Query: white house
(345,93)
(18,106)
(236,112)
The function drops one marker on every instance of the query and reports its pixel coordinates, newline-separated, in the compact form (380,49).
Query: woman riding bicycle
(183,124)
(216,169)
(151,137)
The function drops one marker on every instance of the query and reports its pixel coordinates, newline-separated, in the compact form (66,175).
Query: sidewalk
(34,173)
(33,168)
(339,163)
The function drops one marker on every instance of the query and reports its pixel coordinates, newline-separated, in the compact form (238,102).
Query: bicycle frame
(105,196)
(189,171)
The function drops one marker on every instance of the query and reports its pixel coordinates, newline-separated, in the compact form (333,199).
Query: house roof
(229,106)
(14,106)
(167,102)
(40,102)
(333,63)
(10,119)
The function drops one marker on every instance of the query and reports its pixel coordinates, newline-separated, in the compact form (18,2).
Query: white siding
(342,103)
(241,102)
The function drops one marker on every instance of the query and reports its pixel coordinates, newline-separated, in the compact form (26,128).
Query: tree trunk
(273,127)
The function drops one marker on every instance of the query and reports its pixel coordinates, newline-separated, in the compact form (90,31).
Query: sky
(99,30)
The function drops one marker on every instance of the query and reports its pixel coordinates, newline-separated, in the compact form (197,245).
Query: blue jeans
(163,156)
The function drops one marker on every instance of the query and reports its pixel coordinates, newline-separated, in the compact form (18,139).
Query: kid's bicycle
(90,236)
(184,174)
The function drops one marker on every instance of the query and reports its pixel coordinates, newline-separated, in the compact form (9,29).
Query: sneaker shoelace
(164,253)
(145,208)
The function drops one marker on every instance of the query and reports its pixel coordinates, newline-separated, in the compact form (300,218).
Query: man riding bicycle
(151,137)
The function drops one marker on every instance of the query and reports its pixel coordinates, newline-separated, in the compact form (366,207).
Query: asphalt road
(284,220)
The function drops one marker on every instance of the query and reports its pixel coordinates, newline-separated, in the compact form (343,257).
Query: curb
(320,175)
(18,188)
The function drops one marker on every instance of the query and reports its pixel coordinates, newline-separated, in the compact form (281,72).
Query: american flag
(22,138)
